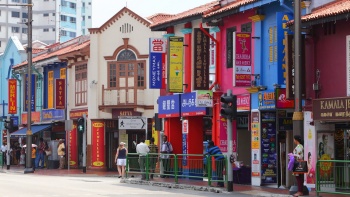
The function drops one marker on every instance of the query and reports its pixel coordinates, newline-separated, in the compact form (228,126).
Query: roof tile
(335,8)
(229,6)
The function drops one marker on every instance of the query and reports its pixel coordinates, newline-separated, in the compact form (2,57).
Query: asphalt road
(31,185)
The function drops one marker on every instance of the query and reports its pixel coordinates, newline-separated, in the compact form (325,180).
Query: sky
(102,10)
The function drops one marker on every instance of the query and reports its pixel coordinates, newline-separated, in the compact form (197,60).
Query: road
(31,185)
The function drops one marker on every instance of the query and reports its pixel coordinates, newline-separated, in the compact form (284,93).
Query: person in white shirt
(142,149)
(3,150)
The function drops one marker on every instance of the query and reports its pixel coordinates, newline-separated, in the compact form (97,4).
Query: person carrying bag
(299,166)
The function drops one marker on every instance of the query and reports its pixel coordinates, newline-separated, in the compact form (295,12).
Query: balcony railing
(122,97)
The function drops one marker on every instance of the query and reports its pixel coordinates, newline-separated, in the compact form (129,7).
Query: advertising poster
(157,49)
(98,155)
(310,149)
(73,148)
(223,136)
(12,96)
(325,145)
(256,162)
(242,59)
(204,98)
(175,64)
(268,148)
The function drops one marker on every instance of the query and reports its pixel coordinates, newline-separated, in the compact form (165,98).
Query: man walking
(153,158)
(219,161)
(40,154)
(142,149)
(166,149)
(61,153)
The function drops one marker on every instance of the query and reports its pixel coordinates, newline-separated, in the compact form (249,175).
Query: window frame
(80,92)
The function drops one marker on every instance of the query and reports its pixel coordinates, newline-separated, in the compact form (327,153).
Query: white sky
(102,10)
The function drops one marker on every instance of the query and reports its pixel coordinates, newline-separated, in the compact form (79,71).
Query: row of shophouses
(132,72)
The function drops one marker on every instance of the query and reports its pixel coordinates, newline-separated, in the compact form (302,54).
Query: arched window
(126,55)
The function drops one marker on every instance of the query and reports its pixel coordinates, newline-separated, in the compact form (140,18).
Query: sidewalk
(165,182)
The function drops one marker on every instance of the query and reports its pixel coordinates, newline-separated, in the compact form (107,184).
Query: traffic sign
(132,122)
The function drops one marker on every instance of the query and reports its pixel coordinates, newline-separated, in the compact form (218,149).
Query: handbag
(300,167)
(48,153)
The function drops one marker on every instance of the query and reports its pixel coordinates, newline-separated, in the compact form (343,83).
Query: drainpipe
(20,97)
(217,67)
(285,6)
(41,88)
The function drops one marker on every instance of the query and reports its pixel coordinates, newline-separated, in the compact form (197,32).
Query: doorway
(111,146)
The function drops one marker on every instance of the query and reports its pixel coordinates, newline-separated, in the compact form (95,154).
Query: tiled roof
(337,7)
(159,17)
(37,50)
(50,52)
(116,17)
(192,12)
(229,7)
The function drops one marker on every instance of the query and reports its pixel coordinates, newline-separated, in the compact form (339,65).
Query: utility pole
(29,134)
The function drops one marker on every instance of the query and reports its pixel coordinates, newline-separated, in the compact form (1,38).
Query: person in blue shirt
(219,161)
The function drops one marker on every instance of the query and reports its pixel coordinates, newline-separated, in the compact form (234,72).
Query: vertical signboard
(175,67)
(60,94)
(201,60)
(223,136)
(50,87)
(157,49)
(348,65)
(212,60)
(310,149)
(282,18)
(32,89)
(98,151)
(242,59)
(184,142)
(73,149)
(12,96)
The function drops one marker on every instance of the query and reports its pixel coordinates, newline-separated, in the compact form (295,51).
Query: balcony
(128,98)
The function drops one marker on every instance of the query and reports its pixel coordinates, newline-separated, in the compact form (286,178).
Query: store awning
(35,128)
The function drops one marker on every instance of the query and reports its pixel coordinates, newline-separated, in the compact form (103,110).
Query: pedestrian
(48,153)
(219,161)
(61,153)
(33,157)
(142,149)
(166,149)
(39,162)
(4,151)
(153,157)
(298,153)
(120,159)
(18,153)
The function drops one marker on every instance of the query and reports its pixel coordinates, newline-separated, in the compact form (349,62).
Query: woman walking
(120,159)
(299,155)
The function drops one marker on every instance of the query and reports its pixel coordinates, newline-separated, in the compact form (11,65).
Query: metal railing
(333,177)
(178,166)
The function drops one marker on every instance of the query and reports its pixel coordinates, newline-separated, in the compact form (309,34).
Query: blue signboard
(282,18)
(155,66)
(169,106)
(188,105)
(15,120)
(267,100)
(184,149)
(32,89)
(52,114)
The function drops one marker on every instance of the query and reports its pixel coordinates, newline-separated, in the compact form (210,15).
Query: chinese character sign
(175,67)
(98,153)
(157,49)
(12,96)
(242,59)
(169,106)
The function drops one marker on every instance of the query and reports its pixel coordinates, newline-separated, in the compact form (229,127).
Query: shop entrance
(111,147)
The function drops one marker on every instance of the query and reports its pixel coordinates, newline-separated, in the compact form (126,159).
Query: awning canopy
(35,128)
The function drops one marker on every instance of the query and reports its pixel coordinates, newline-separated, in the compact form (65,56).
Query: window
(140,75)
(46,30)
(246,27)
(62,73)
(46,0)
(89,17)
(83,4)
(53,14)
(72,19)
(112,75)
(45,14)
(63,33)
(24,15)
(24,1)
(81,84)
(63,3)
(53,29)
(83,18)
(15,1)
(15,29)
(63,18)
(72,5)
(89,3)
(15,14)
(24,30)
(72,34)
(229,47)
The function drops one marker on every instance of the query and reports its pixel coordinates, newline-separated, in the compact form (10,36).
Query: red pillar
(195,135)
(215,136)
(188,62)
(173,129)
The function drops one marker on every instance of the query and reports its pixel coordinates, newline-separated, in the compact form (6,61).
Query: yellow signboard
(255,136)
(175,64)
(50,90)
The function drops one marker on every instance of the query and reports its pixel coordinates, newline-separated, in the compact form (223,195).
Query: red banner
(12,96)
(60,93)
(35,117)
(98,151)
(243,66)
(73,148)
(243,102)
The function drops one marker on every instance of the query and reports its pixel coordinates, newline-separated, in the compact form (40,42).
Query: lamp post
(29,134)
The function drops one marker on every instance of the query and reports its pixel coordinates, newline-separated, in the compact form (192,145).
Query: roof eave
(163,26)
(322,20)
(221,15)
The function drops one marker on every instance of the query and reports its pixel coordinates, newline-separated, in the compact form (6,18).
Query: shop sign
(175,64)
(157,49)
(184,149)
(98,148)
(188,105)
(52,114)
(185,126)
(78,113)
(243,102)
(12,96)
(331,109)
(223,136)
(204,98)
(60,96)
(242,50)
(201,59)
(285,124)
(169,106)
(348,65)
(266,100)
(242,122)
(35,117)
(32,89)
(124,112)
(73,147)
(281,99)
